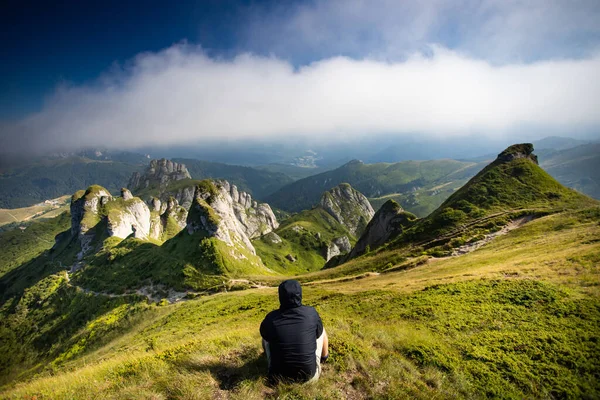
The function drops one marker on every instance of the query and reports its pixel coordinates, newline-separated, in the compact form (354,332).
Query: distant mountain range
(418,186)
(422,186)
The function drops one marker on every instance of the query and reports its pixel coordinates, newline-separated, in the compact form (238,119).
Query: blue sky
(154,72)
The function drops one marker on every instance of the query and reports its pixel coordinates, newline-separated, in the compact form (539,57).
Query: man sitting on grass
(293,337)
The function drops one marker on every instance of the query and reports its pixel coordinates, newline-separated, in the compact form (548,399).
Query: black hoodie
(292,333)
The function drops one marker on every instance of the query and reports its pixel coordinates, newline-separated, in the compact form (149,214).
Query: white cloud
(500,31)
(181,95)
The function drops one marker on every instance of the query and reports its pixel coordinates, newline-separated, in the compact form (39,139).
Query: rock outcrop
(256,218)
(338,246)
(523,150)
(219,210)
(128,216)
(159,172)
(389,221)
(86,214)
(349,207)
(95,212)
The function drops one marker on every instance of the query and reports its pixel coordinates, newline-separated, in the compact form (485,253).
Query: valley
(493,294)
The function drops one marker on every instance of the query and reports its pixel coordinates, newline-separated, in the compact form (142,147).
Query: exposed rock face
(338,246)
(160,172)
(256,218)
(349,207)
(184,196)
(85,208)
(388,222)
(176,212)
(86,214)
(126,217)
(220,210)
(123,216)
(126,194)
(523,150)
(213,210)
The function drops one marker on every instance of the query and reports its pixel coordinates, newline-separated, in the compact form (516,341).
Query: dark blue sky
(138,73)
(45,43)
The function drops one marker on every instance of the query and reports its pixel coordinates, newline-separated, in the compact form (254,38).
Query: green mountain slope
(305,237)
(54,177)
(516,319)
(578,168)
(373,180)
(20,246)
(511,186)
(305,241)
(257,182)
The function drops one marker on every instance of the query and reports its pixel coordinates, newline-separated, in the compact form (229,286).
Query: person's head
(290,294)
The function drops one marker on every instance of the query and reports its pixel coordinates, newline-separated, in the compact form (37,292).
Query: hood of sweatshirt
(290,294)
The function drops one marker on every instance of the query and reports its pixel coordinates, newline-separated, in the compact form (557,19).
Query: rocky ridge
(159,172)
(221,211)
(389,221)
(348,206)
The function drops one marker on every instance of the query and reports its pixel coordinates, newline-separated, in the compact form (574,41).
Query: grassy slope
(20,246)
(517,318)
(373,180)
(36,212)
(499,193)
(183,262)
(302,244)
(577,167)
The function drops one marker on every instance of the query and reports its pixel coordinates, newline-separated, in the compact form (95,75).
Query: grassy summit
(510,187)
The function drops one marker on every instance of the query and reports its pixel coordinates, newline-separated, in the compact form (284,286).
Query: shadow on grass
(247,364)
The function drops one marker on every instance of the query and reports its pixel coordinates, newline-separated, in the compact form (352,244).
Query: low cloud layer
(181,95)
(499,31)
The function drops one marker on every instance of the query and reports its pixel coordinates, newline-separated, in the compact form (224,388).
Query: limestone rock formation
(220,210)
(95,212)
(85,215)
(338,246)
(128,215)
(159,172)
(389,221)
(273,238)
(256,218)
(349,207)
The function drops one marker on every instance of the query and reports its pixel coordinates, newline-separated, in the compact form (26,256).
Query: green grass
(517,318)
(372,180)
(20,246)
(519,338)
(305,236)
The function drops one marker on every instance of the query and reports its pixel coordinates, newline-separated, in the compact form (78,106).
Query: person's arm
(325,351)
(321,331)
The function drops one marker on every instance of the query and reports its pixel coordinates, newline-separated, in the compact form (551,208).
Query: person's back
(293,336)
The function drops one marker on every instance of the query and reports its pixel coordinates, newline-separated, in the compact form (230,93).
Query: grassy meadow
(517,318)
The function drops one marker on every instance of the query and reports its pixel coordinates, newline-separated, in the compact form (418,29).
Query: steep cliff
(348,206)
(159,173)
(389,221)
(220,210)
